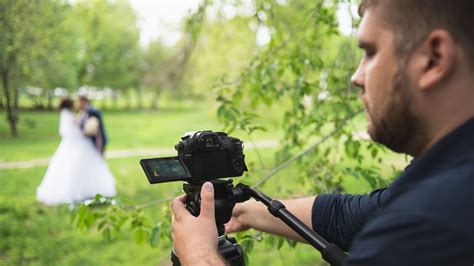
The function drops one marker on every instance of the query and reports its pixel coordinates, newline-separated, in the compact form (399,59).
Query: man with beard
(417,79)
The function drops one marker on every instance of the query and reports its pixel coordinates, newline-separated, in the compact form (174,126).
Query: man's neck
(443,125)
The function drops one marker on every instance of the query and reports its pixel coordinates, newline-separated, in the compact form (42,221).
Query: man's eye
(369,53)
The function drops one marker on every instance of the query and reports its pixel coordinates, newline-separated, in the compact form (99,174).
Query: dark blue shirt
(425,217)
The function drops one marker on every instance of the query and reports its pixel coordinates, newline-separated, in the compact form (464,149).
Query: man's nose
(357,78)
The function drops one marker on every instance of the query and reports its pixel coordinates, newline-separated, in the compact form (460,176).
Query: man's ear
(436,58)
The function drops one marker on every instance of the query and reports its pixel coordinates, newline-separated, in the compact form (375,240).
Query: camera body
(202,156)
(210,155)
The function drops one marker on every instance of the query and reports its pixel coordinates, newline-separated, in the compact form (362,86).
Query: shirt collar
(452,148)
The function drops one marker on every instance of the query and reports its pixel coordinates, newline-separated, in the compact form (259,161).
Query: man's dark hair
(413,20)
(83,98)
(66,103)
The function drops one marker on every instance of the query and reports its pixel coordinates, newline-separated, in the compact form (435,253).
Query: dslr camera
(205,156)
(202,156)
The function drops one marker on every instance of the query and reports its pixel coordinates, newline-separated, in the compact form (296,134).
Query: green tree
(223,50)
(2,105)
(55,64)
(155,59)
(16,18)
(31,50)
(166,68)
(110,48)
(191,32)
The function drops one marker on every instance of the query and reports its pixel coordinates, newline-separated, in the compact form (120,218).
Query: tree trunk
(139,98)
(110,102)
(106,103)
(1,102)
(103,104)
(11,114)
(115,100)
(50,100)
(16,99)
(154,101)
(128,99)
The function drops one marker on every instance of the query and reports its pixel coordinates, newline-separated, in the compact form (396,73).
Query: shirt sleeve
(339,218)
(401,238)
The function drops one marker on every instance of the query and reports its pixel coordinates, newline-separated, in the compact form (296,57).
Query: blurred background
(274,73)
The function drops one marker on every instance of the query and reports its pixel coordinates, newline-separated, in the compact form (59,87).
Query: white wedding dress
(77,171)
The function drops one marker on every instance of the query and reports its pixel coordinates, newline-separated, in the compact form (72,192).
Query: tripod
(226,196)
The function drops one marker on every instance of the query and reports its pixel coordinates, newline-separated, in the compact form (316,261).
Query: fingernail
(208,186)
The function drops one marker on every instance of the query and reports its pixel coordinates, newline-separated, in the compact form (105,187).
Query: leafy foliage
(111,215)
(305,69)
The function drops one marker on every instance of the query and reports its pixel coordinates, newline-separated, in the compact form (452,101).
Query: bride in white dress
(77,171)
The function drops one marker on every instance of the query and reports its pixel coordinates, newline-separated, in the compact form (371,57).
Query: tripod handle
(330,252)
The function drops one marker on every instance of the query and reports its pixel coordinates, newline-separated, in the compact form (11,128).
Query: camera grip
(193,204)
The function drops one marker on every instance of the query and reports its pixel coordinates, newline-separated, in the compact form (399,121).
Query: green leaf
(291,243)
(247,245)
(140,235)
(280,242)
(107,234)
(155,235)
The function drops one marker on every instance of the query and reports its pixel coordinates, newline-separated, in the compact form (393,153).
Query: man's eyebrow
(365,45)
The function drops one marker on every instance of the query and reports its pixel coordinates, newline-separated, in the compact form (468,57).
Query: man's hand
(195,238)
(238,222)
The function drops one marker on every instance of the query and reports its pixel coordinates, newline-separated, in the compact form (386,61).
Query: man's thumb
(207,200)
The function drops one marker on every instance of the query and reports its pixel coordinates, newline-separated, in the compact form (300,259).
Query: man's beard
(395,125)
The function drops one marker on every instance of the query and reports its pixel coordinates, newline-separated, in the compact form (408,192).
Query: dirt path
(114,154)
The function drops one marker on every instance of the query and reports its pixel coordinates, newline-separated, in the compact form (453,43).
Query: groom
(99,138)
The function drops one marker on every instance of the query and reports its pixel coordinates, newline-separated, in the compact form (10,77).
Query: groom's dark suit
(100,140)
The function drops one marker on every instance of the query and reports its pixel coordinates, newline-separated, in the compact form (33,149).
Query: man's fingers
(207,200)
(207,203)
(178,208)
(229,228)
(232,226)
(182,198)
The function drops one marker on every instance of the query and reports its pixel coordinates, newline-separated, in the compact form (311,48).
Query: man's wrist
(253,213)
(247,215)
(208,259)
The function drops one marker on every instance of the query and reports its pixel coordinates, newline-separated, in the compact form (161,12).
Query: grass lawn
(33,234)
